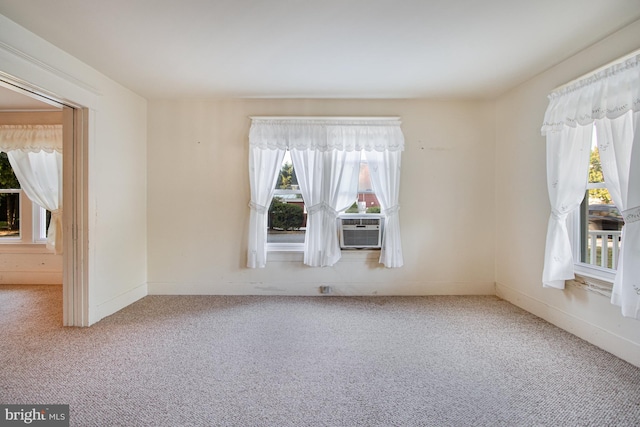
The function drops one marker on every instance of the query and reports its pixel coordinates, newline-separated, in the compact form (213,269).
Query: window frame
(285,247)
(299,247)
(594,277)
(587,271)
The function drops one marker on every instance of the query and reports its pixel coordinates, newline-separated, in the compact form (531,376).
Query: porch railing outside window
(603,248)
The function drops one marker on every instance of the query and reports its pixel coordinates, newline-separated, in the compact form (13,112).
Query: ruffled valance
(609,93)
(327,134)
(31,138)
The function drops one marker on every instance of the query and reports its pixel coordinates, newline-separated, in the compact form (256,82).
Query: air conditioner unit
(359,231)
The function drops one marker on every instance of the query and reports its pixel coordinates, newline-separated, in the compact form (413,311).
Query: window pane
(286,221)
(9,215)
(9,200)
(595,168)
(8,179)
(601,222)
(367,200)
(41,222)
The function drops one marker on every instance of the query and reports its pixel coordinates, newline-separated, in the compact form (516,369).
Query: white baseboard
(582,328)
(118,303)
(313,288)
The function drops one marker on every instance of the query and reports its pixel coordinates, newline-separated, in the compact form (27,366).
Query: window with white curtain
(34,154)
(21,221)
(602,109)
(326,154)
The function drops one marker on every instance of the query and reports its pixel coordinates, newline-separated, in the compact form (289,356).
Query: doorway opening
(18,102)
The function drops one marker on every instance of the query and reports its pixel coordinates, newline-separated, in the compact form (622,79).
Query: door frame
(75,282)
(75,192)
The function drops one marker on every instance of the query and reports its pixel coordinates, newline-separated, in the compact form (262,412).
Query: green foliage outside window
(285,216)
(287,177)
(9,202)
(595,175)
(8,179)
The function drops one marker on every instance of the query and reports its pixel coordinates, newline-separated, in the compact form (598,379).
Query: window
(597,226)
(287,216)
(21,221)
(606,103)
(327,153)
(600,220)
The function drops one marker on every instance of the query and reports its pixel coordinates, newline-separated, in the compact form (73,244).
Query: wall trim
(28,74)
(118,303)
(594,334)
(47,68)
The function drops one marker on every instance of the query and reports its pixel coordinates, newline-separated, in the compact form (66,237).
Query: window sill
(297,255)
(285,247)
(24,248)
(593,279)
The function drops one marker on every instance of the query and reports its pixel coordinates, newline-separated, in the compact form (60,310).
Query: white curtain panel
(567,175)
(329,184)
(619,146)
(264,166)
(40,176)
(610,98)
(325,153)
(384,169)
(309,167)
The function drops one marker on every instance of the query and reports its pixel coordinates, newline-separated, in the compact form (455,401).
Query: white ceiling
(323,48)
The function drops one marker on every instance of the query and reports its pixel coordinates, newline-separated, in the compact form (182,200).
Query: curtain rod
(597,70)
(322,118)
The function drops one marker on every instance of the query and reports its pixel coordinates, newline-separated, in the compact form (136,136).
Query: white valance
(609,93)
(31,138)
(318,134)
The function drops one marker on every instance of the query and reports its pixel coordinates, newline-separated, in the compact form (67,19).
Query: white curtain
(264,166)
(325,154)
(384,169)
(611,99)
(40,176)
(619,146)
(35,154)
(567,175)
(329,184)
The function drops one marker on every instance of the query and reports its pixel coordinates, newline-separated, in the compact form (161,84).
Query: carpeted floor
(309,361)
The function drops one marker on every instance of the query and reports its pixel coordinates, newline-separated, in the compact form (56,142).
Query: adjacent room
(338,213)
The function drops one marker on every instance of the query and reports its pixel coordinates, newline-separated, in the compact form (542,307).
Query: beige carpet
(309,361)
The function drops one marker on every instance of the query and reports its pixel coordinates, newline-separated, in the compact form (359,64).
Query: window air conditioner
(359,231)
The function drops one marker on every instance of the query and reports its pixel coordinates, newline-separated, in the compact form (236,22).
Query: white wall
(198,192)
(522,207)
(117,162)
(29,266)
